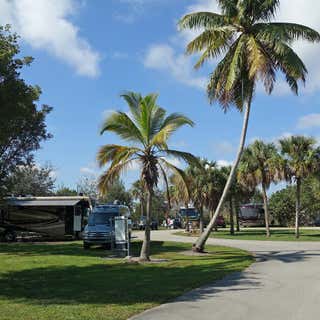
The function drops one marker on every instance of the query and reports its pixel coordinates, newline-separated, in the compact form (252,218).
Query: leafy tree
(301,160)
(88,186)
(32,180)
(282,203)
(22,122)
(117,191)
(146,129)
(282,206)
(254,49)
(65,191)
(260,165)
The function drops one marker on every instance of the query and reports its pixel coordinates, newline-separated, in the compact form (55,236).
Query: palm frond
(169,125)
(133,100)
(285,59)
(260,64)
(179,176)
(115,153)
(107,179)
(200,20)
(261,9)
(284,31)
(212,43)
(122,125)
(185,156)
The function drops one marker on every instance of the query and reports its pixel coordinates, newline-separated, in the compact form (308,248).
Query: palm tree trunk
(201,226)
(297,231)
(266,210)
(237,216)
(145,249)
(199,245)
(231,216)
(142,207)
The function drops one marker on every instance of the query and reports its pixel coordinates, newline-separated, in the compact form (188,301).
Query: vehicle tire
(10,236)
(86,245)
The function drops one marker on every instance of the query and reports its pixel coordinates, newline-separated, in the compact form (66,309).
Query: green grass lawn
(63,281)
(259,234)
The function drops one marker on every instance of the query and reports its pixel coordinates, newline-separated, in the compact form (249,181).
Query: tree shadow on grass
(76,249)
(114,283)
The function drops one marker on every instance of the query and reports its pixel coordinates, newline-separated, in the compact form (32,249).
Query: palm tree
(198,185)
(138,192)
(147,129)
(260,165)
(254,49)
(301,160)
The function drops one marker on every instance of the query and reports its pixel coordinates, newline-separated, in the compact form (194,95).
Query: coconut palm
(301,160)
(147,129)
(254,49)
(260,165)
(138,192)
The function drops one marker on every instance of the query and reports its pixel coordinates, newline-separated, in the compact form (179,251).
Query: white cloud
(224,163)
(88,170)
(164,58)
(309,121)
(45,24)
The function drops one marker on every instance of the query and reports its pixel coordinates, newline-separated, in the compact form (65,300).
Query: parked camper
(100,227)
(251,215)
(53,217)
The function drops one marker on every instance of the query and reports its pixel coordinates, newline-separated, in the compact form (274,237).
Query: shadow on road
(286,256)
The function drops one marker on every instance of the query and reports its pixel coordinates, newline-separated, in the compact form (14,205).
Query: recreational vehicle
(53,217)
(251,215)
(100,227)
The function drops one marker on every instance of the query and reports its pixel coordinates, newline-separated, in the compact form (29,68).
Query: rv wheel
(10,236)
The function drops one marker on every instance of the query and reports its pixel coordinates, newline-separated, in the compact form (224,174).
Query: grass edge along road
(64,282)
(260,234)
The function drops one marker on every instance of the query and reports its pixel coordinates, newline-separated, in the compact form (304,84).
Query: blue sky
(87,52)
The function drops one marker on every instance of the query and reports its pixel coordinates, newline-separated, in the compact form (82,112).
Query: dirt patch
(195,254)
(135,260)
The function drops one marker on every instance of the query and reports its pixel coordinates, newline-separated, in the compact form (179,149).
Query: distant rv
(252,215)
(53,217)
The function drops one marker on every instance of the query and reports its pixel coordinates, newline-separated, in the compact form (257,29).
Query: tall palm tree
(138,192)
(147,129)
(198,185)
(253,49)
(260,165)
(301,160)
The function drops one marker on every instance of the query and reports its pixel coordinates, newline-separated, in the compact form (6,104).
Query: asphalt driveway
(284,283)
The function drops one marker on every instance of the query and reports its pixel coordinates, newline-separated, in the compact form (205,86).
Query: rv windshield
(97,218)
(190,212)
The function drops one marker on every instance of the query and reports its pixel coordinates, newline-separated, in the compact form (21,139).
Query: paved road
(283,284)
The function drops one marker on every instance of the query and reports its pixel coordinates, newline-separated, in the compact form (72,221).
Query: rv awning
(43,203)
